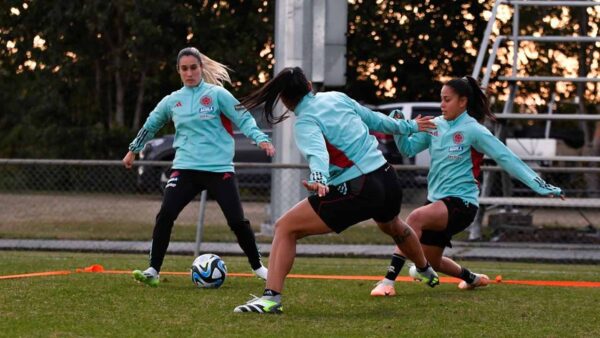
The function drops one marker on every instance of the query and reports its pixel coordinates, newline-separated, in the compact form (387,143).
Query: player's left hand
(268,148)
(424,123)
(320,189)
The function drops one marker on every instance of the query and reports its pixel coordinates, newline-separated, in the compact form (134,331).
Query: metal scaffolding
(513,80)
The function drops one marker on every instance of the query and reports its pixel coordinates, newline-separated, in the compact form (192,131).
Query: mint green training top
(332,132)
(456,148)
(203,132)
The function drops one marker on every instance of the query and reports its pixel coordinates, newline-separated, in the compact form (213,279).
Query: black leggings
(182,187)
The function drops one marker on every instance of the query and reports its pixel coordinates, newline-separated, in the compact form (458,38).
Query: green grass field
(91,305)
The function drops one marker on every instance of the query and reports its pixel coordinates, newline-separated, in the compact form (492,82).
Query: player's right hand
(268,148)
(319,188)
(128,159)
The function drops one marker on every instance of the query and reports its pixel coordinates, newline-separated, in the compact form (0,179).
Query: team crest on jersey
(206,100)
(458,138)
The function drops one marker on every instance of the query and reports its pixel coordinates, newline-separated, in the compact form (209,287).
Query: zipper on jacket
(192,103)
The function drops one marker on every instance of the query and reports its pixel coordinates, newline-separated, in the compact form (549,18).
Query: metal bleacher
(507,201)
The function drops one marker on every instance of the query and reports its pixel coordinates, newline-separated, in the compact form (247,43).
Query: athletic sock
(427,266)
(387,282)
(395,266)
(272,295)
(269,292)
(467,275)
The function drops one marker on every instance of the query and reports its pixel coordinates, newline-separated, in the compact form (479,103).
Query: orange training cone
(92,268)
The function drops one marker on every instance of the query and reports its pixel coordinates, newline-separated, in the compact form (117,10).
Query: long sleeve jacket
(332,132)
(203,117)
(457,148)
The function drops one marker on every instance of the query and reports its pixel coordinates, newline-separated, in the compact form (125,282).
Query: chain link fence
(71,199)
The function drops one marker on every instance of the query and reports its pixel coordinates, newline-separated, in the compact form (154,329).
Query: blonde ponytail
(214,72)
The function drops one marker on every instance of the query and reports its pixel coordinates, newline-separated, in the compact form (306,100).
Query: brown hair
(290,84)
(478,105)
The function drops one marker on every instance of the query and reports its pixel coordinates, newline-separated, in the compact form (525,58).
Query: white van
(522,147)
(410,110)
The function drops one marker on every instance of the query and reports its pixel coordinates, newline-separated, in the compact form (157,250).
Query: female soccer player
(202,111)
(456,148)
(350,178)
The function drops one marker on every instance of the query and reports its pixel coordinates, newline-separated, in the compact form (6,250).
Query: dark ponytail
(290,85)
(478,105)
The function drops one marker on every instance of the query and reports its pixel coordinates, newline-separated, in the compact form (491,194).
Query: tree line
(78,78)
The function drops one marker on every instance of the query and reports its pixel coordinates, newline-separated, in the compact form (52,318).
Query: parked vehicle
(410,110)
(151,178)
(528,139)
(388,147)
(154,178)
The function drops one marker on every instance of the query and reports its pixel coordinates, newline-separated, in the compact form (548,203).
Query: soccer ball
(208,271)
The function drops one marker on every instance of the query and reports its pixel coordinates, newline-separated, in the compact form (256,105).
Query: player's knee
(239,225)
(385,227)
(281,228)
(415,218)
(166,215)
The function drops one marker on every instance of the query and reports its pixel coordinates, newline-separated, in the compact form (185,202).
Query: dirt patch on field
(106,216)
(19,209)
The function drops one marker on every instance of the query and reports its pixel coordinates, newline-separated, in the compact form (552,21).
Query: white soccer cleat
(429,276)
(260,305)
(149,276)
(412,271)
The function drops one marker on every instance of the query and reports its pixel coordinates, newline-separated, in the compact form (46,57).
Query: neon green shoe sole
(140,277)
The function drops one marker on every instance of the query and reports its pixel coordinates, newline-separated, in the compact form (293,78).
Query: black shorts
(460,215)
(376,195)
